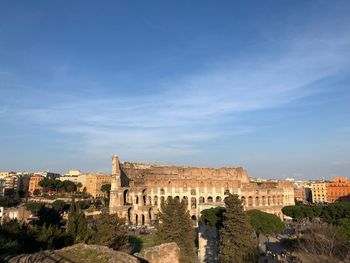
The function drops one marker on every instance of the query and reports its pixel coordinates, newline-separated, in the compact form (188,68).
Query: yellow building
(319,192)
(92,183)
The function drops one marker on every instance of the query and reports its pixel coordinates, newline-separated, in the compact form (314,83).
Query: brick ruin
(138,190)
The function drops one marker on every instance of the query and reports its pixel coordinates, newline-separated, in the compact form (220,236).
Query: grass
(140,242)
(84,255)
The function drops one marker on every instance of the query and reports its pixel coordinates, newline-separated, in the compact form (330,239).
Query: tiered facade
(138,190)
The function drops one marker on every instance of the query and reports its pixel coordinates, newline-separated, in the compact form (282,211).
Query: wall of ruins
(139,190)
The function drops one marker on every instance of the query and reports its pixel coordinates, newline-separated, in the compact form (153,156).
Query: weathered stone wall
(139,189)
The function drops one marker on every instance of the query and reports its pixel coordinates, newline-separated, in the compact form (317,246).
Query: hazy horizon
(263,86)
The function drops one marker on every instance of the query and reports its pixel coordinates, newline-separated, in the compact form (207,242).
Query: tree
(324,243)
(213,217)
(34,207)
(79,186)
(48,216)
(60,206)
(175,225)
(265,223)
(109,230)
(236,236)
(69,186)
(77,224)
(36,192)
(106,188)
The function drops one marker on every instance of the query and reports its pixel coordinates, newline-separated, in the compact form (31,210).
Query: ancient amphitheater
(138,189)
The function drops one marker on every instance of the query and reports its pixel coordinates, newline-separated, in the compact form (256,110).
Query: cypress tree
(236,236)
(175,225)
(77,224)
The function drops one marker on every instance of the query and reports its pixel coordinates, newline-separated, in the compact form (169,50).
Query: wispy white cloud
(197,107)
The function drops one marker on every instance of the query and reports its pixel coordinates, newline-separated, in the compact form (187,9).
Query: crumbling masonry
(138,190)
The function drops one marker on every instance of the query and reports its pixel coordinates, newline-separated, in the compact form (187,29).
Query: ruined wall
(140,189)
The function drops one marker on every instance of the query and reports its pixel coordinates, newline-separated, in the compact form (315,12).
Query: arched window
(193,202)
(257,201)
(243,200)
(210,199)
(250,201)
(155,200)
(185,200)
(201,200)
(162,192)
(218,199)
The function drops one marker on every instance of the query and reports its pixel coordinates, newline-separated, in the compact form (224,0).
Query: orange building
(34,183)
(299,194)
(338,188)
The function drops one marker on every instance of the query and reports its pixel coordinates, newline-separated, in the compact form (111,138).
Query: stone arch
(136,219)
(177,197)
(263,201)
(269,200)
(185,199)
(250,201)
(150,213)
(162,199)
(155,200)
(194,218)
(218,199)
(201,200)
(126,196)
(210,199)
(257,201)
(137,200)
(143,219)
(129,216)
(243,200)
(193,202)
(162,192)
(144,196)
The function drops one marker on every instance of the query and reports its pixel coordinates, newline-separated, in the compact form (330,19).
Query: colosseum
(138,190)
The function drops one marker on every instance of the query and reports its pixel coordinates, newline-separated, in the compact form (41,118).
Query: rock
(80,253)
(164,253)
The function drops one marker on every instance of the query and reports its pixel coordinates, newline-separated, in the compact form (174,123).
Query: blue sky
(259,84)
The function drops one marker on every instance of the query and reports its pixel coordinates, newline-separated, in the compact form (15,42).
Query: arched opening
(150,200)
(269,200)
(144,197)
(136,220)
(274,200)
(218,199)
(129,216)
(243,200)
(193,202)
(201,200)
(185,200)
(150,214)
(194,218)
(263,200)
(177,197)
(250,201)
(137,200)
(257,201)
(126,197)
(155,200)
(162,199)
(162,192)
(210,199)
(143,220)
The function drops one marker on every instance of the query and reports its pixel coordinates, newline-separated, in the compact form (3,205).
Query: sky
(259,84)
